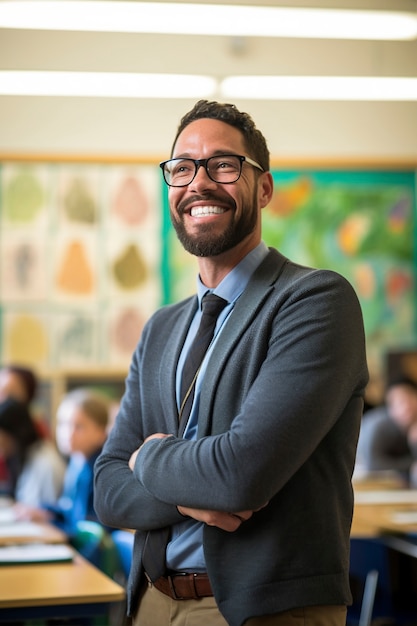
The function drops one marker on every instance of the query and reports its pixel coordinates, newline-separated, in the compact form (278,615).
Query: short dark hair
(402,381)
(28,378)
(16,420)
(255,142)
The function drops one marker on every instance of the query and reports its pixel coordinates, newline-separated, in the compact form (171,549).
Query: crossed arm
(223,520)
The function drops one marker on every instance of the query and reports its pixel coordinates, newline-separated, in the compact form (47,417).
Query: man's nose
(202,177)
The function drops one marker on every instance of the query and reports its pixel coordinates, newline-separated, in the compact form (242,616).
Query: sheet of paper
(35,553)
(7,515)
(389,496)
(404,517)
(21,529)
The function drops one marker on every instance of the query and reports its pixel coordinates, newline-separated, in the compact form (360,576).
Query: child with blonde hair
(81,430)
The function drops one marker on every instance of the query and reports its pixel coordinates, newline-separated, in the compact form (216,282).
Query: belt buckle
(192,587)
(172,586)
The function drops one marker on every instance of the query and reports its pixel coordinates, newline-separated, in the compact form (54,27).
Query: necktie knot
(212,305)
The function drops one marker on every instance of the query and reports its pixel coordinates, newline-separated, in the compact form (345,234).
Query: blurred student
(21,383)
(81,430)
(18,382)
(35,468)
(388,435)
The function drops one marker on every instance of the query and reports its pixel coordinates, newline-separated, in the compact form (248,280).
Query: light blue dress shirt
(185,550)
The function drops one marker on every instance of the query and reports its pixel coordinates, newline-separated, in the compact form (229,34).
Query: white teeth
(206,210)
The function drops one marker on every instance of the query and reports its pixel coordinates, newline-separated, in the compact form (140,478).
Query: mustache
(183,206)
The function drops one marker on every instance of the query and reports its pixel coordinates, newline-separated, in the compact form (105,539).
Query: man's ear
(265,189)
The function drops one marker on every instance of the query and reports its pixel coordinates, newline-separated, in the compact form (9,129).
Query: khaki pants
(157,609)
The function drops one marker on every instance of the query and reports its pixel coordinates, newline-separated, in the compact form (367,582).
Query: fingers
(225,521)
(242,516)
(157,436)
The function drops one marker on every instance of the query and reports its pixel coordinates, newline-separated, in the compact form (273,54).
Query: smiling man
(234,468)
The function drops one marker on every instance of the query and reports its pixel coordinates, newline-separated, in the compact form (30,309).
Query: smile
(206,210)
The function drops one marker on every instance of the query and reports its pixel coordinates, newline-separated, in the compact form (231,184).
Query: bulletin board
(88,253)
(81,248)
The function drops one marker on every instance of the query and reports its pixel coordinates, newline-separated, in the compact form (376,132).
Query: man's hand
(136,452)
(225,521)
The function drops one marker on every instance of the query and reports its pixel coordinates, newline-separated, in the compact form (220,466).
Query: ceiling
(86,125)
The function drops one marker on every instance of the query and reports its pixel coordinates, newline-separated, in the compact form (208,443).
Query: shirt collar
(235,282)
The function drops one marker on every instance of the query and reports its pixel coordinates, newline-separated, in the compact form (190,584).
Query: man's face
(211,218)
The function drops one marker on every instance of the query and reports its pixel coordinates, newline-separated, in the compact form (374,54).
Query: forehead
(10,383)
(70,413)
(7,377)
(401,391)
(205,137)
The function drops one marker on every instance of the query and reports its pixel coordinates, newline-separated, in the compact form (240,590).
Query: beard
(208,243)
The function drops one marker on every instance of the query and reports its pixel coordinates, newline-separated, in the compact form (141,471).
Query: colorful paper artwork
(25,338)
(23,269)
(130,205)
(25,195)
(76,339)
(124,328)
(80,242)
(79,195)
(75,272)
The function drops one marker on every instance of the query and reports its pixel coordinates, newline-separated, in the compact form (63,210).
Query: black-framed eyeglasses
(222,168)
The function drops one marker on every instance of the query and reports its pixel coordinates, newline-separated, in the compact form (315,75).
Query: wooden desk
(29,532)
(55,590)
(15,531)
(374,515)
(372,520)
(380,540)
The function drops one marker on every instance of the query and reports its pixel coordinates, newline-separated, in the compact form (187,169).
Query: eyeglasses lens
(222,169)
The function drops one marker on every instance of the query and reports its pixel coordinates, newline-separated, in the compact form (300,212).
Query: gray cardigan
(279,419)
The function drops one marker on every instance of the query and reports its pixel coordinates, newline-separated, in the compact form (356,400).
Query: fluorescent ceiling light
(129,85)
(319,88)
(206,19)
(105,84)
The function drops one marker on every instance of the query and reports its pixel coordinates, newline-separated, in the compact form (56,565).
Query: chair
(368,600)
(394,600)
(123,540)
(93,541)
(370,579)
(97,546)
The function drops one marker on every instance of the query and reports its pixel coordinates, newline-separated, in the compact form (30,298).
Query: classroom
(89,107)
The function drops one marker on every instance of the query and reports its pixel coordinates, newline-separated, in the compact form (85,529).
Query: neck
(213,269)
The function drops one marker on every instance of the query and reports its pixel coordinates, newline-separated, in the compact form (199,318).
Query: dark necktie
(212,306)
(153,557)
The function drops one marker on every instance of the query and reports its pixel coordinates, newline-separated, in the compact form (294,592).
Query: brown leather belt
(184,586)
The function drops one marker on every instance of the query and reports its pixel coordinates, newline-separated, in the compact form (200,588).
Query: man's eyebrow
(226,152)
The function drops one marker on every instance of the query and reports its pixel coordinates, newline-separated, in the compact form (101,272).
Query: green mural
(360,224)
